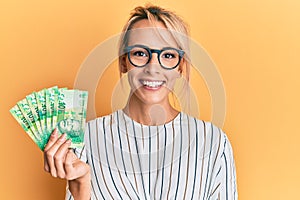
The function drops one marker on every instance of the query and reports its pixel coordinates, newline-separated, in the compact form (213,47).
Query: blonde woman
(148,150)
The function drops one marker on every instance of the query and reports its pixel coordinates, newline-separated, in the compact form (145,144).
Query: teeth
(152,84)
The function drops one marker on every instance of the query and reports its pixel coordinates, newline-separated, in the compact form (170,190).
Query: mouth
(152,84)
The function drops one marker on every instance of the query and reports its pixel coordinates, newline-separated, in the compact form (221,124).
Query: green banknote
(18,115)
(32,102)
(51,107)
(27,113)
(73,121)
(61,105)
(41,101)
(40,112)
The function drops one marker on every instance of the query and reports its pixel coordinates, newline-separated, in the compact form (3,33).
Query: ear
(181,65)
(123,65)
(180,69)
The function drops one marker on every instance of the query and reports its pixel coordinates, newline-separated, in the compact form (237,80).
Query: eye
(169,54)
(138,52)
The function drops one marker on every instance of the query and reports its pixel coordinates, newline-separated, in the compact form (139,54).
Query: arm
(225,176)
(81,187)
(61,162)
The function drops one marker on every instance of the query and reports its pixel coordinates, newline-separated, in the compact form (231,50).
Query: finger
(46,165)
(74,167)
(60,157)
(52,139)
(69,164)
(50,153)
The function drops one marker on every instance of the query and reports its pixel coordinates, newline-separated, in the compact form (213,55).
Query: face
(69,125)
(152,83)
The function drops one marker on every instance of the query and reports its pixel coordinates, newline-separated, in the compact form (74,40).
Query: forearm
(81,188)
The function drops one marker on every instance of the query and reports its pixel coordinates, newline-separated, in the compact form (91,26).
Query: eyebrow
(150,47)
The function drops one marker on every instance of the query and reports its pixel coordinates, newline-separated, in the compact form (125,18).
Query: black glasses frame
(150,51)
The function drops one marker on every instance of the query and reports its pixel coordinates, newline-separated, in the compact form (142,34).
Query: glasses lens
(139,56)
(169,58)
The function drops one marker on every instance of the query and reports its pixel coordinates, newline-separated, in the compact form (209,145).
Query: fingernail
(63,137)
(54,133)
(68,141)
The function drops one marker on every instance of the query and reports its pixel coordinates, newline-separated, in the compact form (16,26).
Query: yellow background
(254,43)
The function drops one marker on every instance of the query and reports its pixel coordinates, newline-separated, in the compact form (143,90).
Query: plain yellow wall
(255,44)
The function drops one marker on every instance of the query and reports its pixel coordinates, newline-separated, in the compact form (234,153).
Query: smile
(152,84)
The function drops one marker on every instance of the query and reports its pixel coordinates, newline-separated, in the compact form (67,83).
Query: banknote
(32,102)
(51,107)
(73,122)
(41,101)
(24,116)
(40,112)
(18,115)
(61,105)
(27,113)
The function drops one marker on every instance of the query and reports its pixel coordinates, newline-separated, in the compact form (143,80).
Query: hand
(60,161)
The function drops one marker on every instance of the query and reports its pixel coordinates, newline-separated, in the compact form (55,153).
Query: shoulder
(98,124)
(104,118)
(202,125)
(209,136)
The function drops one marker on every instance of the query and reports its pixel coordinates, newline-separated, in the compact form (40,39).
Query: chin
(153,99)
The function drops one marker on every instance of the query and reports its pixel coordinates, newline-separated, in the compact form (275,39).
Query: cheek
(173,75)
(132,76)
(131,73)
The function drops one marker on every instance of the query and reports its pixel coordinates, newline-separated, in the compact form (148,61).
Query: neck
(149,114)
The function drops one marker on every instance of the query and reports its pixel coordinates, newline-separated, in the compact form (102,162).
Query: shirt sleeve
(225,187)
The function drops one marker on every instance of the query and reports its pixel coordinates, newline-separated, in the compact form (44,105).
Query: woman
(148,150)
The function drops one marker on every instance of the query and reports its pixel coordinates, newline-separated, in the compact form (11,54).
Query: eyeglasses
(140,55)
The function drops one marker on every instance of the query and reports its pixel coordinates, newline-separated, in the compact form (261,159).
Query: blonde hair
(177,27)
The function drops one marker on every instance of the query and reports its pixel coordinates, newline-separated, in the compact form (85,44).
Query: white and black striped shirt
(186,158)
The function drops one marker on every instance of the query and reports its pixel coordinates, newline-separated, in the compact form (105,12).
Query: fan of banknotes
(43,111)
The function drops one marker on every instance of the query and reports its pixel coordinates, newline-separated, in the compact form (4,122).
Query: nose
(153,66)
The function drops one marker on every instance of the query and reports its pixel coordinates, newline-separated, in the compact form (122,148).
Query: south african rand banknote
(21,119)
(27,113)
(40,112)
(61,105)
(32,103)
(51,107)
(72,120)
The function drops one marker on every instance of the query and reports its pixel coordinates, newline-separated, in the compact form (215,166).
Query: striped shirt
(186,158)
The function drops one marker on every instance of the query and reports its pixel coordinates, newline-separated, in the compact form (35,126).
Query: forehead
(154,35)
